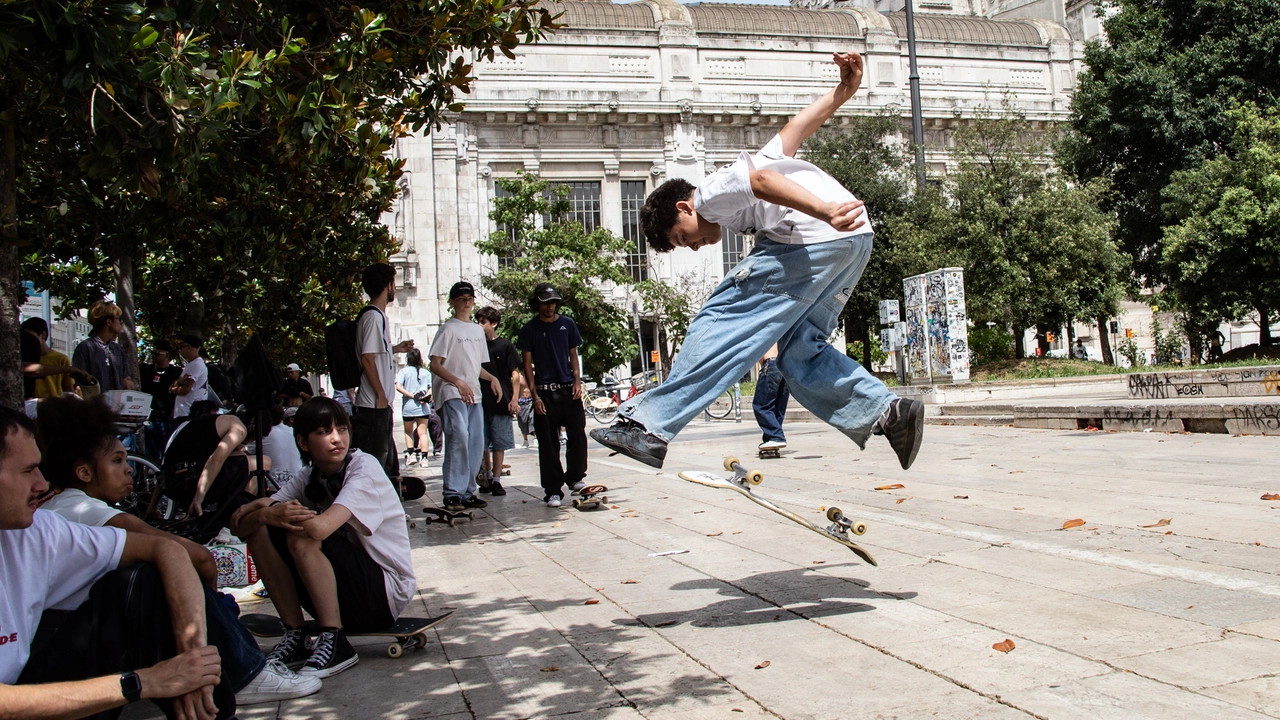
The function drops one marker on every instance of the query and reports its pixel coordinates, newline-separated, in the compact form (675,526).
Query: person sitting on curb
(207,469)
(88,466)
(97,617)
(333,542)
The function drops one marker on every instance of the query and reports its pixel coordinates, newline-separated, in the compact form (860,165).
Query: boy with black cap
(456,355)
(549,344)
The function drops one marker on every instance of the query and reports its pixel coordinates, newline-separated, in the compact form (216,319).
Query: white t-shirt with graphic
(463,346)
(725,197)
(76,506)
(377,517)
(48,566)
(199,374)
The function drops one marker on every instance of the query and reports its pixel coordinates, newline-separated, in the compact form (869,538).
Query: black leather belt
(552,387)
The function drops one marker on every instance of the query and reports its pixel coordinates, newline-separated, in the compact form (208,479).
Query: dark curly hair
(658,215)
(72,432)
(490,315)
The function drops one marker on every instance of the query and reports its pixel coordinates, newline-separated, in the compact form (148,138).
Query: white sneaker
(578,485)
(277,682)
(553,501)
(772,445)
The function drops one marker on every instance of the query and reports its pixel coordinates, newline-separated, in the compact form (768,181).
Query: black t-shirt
(30,351)
(194,442)
(549,343)
(503,358)
(156,382)
(295,388)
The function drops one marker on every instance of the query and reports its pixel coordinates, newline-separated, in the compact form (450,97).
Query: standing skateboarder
(812,242)
(769,403)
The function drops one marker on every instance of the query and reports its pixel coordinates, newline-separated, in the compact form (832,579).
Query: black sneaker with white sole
(292,649)
(453,503)
(903,426)
(630,438)
(496,488)
(332,655)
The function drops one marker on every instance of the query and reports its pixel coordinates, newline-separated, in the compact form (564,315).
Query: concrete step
(983,420)
(1224,382)
(975,409)
(1239,418)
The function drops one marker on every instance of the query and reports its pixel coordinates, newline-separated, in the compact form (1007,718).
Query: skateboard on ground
(744,479)
(773,452)
(592,496)
(446,516)
(409,632)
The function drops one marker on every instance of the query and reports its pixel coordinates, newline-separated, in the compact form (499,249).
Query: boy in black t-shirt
(549,343)
(504,360)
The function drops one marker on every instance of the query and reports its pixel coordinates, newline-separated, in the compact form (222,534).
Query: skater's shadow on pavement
(797,594)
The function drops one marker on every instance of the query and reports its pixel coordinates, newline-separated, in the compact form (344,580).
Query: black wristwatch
(131,686)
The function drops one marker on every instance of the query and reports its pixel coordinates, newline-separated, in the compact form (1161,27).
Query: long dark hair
(414,358)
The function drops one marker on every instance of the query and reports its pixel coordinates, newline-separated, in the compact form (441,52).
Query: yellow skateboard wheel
(833,512)
(755,477)
(859,528)
(729,462)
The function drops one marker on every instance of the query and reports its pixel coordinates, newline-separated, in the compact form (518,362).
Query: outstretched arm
(778,189)
(808,120)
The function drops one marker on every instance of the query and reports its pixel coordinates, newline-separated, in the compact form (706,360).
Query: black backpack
(340,348)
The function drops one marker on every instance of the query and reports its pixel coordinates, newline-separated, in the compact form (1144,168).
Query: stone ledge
(1227,418)
(1258,381)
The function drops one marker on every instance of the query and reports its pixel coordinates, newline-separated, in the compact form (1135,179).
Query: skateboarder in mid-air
(812,242)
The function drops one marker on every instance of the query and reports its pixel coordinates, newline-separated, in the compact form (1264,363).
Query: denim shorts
(498,433)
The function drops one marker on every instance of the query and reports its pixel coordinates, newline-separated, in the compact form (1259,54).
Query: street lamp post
(917,122)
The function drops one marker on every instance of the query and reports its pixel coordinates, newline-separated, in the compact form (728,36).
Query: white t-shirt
(377,517)
(196,370)
(463,347)
(50,565)
(373,336)
(280,446)
(75,506)
(724,197)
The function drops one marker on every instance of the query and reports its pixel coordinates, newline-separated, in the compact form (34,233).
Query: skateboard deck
(591,496)
(741,483)
(409,632)
(411,488)
(445,516)
(775,453)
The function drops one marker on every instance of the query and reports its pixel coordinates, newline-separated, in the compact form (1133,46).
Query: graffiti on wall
(937,325)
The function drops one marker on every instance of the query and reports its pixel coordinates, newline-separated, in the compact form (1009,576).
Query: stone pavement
(561,613)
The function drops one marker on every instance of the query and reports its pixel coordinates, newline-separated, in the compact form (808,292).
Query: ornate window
(638,256)
(734,246)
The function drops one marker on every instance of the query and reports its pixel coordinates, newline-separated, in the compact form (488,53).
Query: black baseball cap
(546,292)
(461,288)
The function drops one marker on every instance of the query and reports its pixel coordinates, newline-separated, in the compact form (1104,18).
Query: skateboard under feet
(744,479)
(771,452)
(591,497)
(409,632)
(440,515)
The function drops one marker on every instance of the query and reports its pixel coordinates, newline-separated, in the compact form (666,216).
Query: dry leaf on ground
(899,486)
(763,665)
(630,582)
(551,668)
(1162,523)
(591,602)
(819,562)
(716,533)
(959,497)
(1271,496)
(613,507)
(1072,523)
(899,501)
(1005,646)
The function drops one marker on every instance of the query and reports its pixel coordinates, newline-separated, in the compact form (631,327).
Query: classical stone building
(626,96)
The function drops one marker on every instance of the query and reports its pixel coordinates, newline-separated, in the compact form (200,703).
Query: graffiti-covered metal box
(937,326)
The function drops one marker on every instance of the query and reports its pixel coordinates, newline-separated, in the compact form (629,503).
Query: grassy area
(1032,368)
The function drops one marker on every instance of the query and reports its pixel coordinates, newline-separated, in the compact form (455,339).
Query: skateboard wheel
(755,477)
(395,650)
(833,512)
(603,500)
(729,462)
(859,528)
(577,503)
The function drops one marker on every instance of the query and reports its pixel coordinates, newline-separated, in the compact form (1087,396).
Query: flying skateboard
(446,516)
(409,632)
(742,482)
(591,496)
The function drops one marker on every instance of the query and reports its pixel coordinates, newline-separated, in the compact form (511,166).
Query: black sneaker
(291,651)
(496,488)
(474,502)
(332,655)
(903,426)
(453,504)
(484,482)
(629,438)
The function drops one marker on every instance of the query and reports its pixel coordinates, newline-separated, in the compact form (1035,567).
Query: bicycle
(723,405)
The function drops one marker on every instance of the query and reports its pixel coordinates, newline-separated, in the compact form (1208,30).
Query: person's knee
(302,546)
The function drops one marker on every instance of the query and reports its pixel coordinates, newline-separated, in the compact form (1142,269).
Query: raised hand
(850,65)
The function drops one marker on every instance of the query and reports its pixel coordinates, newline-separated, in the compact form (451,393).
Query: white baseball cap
(294,366)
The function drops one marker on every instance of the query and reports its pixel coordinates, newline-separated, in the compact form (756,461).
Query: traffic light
(1048,337)
(1115,326)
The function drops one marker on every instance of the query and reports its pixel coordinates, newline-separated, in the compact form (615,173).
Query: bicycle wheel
(602,407)
(146,477)
(722,406)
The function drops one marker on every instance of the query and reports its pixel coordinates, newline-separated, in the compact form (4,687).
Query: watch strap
(131,686)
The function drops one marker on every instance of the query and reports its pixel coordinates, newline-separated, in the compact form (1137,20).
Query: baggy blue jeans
(769,404)
(463,447)
(788,294)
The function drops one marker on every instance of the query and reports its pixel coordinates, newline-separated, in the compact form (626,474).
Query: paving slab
(565,613)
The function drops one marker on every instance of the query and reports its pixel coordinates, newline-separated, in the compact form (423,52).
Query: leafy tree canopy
(537,241)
